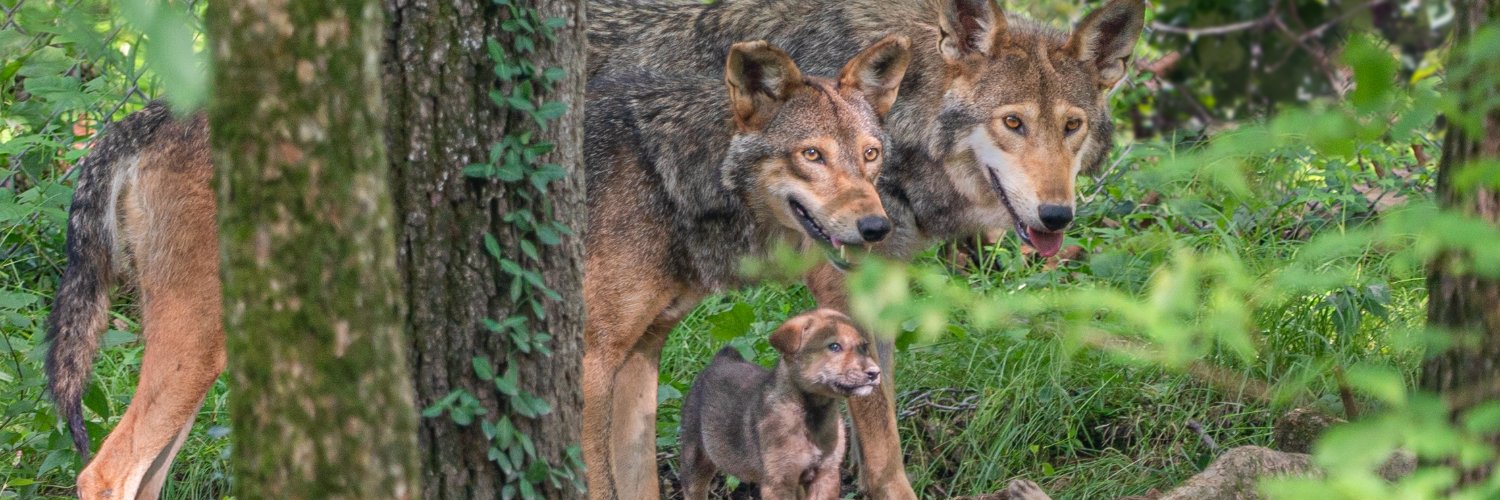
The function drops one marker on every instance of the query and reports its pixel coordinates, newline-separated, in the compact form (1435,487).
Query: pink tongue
(1046,242)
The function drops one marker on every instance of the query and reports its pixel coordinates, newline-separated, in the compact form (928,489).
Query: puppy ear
(967,27)
(789,338)
(761,77)
(877,71)
(1106,38)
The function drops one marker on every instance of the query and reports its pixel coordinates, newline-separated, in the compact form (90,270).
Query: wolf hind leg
(175,244)
(184,355)
(156,475)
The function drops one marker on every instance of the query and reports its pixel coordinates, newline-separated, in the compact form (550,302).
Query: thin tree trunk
(438,76)
(322,404)
(1460,302)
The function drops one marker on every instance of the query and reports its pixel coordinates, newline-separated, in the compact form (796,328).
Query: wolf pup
(997,117)
(780,429)
(686,176)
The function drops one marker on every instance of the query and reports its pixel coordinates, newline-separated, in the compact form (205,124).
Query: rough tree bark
(1460,302)
(438,78)
(322,404)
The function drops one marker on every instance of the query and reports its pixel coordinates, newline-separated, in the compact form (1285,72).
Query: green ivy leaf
(529,249)
(492,246)
(508,384)
(482,368)
(548,235)
(551,110)
(510,172)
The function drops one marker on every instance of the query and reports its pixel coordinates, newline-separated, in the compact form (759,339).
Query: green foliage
(67,69)
(516,161)
(1227,268)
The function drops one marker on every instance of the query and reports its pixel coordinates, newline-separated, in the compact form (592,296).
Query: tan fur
(158,220)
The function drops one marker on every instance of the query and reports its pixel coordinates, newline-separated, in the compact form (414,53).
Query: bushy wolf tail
(80,309)
(82,305)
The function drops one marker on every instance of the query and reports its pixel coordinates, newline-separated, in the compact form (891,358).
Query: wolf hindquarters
(143,213)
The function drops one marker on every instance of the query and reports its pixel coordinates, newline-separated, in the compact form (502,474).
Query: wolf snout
(873,228)
(1055,217)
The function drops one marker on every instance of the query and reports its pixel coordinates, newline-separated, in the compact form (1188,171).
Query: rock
(1296,431)
(1234,474)
(1018,489)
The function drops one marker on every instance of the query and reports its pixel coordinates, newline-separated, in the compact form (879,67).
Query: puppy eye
(1013,122)
(812,154)
(871,154)
(835,347)
(1072,125)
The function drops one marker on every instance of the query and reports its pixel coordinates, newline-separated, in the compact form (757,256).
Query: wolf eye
(812,154)
(835,347)
(1013,122)
(871,154)
(1072,125)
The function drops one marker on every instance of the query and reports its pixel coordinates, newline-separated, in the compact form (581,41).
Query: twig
(1351,410)
(1318,31)
(918,399)
(1108,174)
(1215,30)
(1197,428)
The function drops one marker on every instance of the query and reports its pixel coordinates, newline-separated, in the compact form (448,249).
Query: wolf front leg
(627,324)
(620,419)
(882,474)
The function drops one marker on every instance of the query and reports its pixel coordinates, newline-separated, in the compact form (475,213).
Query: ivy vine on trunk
(486,141)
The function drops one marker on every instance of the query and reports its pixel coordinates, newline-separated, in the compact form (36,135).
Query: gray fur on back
(678,129)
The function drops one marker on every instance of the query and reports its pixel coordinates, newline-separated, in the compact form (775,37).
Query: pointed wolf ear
(789,337)
(969,27)
(760,77)
(1107,36)
(877,71)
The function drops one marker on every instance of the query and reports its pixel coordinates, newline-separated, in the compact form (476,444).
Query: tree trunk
(322,404)
(1461,302)
(439,76)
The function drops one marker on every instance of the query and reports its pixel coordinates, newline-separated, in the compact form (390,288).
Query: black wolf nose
(874,228)
(872,374)
(1055,217)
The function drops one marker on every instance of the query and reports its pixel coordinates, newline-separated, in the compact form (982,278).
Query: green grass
(979,406)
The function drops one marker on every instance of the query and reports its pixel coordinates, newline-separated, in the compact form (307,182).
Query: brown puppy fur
(778,429)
